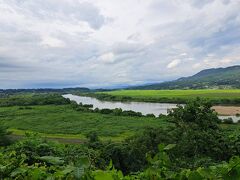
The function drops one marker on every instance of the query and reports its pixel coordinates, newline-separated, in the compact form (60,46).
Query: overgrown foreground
(35,158)
(192,146)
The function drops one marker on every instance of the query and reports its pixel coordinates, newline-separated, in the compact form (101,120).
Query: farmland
(177,96)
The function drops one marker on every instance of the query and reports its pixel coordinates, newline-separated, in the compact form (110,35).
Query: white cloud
(226,61)
(173,63)
(197,65)
(52,42)
(107,58)
(75,42)
(183,54)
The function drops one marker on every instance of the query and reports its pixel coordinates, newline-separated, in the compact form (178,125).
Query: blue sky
(109,43)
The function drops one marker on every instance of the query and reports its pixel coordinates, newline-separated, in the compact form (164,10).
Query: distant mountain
(210,78)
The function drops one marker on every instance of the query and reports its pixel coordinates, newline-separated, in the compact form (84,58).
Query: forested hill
(44,90)
(210,78)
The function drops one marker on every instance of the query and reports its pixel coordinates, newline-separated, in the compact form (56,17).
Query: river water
(143,107)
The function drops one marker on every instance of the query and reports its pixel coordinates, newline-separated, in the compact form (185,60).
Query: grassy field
(64,121)
(177,95)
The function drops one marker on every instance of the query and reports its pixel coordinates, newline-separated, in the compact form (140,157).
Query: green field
(217,96)
(61,120)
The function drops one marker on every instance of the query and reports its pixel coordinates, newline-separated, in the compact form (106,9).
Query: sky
(113,43)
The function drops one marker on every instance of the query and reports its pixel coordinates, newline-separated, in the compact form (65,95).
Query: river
(143,107)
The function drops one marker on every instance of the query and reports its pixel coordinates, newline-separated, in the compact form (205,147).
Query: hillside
(209,78)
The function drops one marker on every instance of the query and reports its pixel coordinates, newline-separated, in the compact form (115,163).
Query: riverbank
(227,110)
(148,107)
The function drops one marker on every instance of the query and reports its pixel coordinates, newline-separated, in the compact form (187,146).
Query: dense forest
(194,145)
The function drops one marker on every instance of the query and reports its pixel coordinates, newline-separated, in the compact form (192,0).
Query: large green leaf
(52,160)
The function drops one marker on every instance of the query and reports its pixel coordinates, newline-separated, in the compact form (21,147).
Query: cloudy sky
(109,43)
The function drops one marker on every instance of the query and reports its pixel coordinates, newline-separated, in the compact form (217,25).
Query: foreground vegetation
(172,96)
(189,143)
(193,145)
(36,158)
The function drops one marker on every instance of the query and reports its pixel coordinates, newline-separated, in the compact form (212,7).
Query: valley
(120,90)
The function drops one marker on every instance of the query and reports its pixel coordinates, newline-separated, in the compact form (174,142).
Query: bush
(74,104)
(162,116)
(106,111)
(93,140)
(4,140)
(88,105)
(228,121)
(150,115)
(96,110)
(131,113)
(117,111)
(82,109)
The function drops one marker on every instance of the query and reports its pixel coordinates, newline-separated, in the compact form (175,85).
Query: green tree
(197,134)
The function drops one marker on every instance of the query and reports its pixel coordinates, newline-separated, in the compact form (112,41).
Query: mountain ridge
(220,78)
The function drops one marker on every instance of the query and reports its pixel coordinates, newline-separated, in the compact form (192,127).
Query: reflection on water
(143,107)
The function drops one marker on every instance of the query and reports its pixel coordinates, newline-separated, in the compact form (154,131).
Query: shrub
(117,111)
(131,113)
(106,111)
(96,110)
(228,121)
(162,116)
(88,105)
(150,115)
(4,140)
